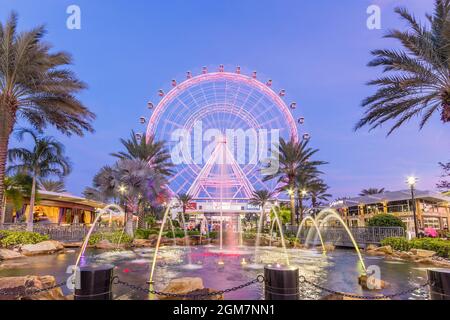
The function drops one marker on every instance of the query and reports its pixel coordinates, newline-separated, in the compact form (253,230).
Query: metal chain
(30,291)
(191,294)
(379,297)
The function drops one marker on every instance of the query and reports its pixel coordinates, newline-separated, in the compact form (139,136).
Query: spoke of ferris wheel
(255,105)
(244,103)
(269,122)
(177,174)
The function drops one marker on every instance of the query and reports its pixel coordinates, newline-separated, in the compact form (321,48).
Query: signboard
(191,206)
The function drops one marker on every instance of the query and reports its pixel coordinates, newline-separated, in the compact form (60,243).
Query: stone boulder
(329,247)
(72,245)
(371,283)
(420,253)
(104,245)
(142,243)
(371,247)
(45,247)
(6,254)
(187,285)
(381,250)
(205,291)
(16,287)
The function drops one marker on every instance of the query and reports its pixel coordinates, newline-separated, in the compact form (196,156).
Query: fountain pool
(338,270)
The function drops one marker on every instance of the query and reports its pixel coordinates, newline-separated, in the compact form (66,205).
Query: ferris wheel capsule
(254,74)
(161,92)
(282,93)
(306,136)
(204,70)
(269,83)
(142,120)
(150,105)
(221,68)
(293,105)
(138,136)
(238,70)
(174,83)
(188,75)
(301,120)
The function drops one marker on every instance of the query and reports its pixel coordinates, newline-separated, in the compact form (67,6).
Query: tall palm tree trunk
(292,197)
(7,120)
(300,208)
(3,213)
(31,211)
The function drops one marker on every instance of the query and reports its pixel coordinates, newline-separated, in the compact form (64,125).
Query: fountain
(101,212)
(257,243)
(308,218)
(332,214)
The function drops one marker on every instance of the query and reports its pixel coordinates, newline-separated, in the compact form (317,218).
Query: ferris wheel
(220,101)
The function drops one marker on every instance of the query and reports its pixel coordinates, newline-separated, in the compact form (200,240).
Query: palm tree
(184,199)
(318,192)
(45,159)
(36,86)
(371,191)
(292,157)
(17,187)
(307,180)
(418,83)
(133,183)
(52,185)
(261,198)
(147,149)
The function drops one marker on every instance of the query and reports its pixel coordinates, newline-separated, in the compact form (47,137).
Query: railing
(73,232)
(362,235)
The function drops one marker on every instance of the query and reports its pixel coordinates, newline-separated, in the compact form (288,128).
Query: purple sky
(316,50)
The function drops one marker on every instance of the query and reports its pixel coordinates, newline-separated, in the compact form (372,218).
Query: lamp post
(412,182)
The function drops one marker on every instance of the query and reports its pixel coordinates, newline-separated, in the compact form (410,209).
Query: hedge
(385,220)
(13,238)
(440,246)
(117,237)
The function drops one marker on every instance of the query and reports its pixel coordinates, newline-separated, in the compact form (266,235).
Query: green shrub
(213,235)
(441,247)
(179,233)
(249,235)
(400,244)
(13,238)
(113,237)
(145,233)
(386,220)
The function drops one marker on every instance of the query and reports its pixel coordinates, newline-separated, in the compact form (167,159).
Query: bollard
(95,283)
(281,282)
(439,284)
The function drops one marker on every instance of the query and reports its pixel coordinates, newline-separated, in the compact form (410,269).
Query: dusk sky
(316,50)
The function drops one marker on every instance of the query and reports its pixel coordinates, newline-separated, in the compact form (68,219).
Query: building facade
(432,209)
(55,208)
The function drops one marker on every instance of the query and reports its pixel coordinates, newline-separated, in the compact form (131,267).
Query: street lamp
(412,182)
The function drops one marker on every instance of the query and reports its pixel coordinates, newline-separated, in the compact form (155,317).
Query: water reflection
(338,270)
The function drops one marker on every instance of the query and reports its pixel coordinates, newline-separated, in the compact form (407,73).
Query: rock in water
(371,283)
(182,286)
(45,247)
(6,254)
(201,292)
(104,244)
(17,286)
(421,253)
